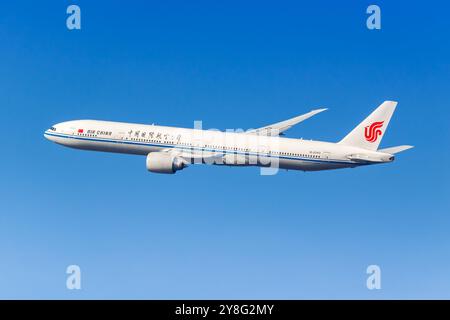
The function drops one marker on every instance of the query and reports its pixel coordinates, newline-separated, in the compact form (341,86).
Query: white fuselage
(231,147)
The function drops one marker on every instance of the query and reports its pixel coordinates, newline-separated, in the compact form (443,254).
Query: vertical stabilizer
(368,134)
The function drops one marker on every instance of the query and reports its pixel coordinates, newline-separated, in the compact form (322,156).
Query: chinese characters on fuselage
(153,135)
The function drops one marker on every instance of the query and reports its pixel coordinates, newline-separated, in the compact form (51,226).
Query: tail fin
(368,134)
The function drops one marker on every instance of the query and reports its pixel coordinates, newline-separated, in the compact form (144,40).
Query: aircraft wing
(278,128)
(189,155)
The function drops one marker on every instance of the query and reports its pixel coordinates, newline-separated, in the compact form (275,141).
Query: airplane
(169,149)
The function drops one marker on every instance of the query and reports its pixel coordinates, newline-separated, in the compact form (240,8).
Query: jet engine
(162,162)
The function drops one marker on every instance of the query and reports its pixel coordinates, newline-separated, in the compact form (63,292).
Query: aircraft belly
(310,165)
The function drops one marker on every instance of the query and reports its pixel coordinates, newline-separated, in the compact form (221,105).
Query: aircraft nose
(48,133)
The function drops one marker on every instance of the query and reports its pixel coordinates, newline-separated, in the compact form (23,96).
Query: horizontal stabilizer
(394,150)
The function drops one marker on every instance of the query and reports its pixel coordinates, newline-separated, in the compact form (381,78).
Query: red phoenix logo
(372,132)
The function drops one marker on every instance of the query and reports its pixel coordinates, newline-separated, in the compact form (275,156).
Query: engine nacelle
(162,162)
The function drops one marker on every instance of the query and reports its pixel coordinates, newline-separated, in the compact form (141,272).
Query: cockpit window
(53,129)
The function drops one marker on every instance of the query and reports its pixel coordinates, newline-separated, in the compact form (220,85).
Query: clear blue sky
(218,232)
